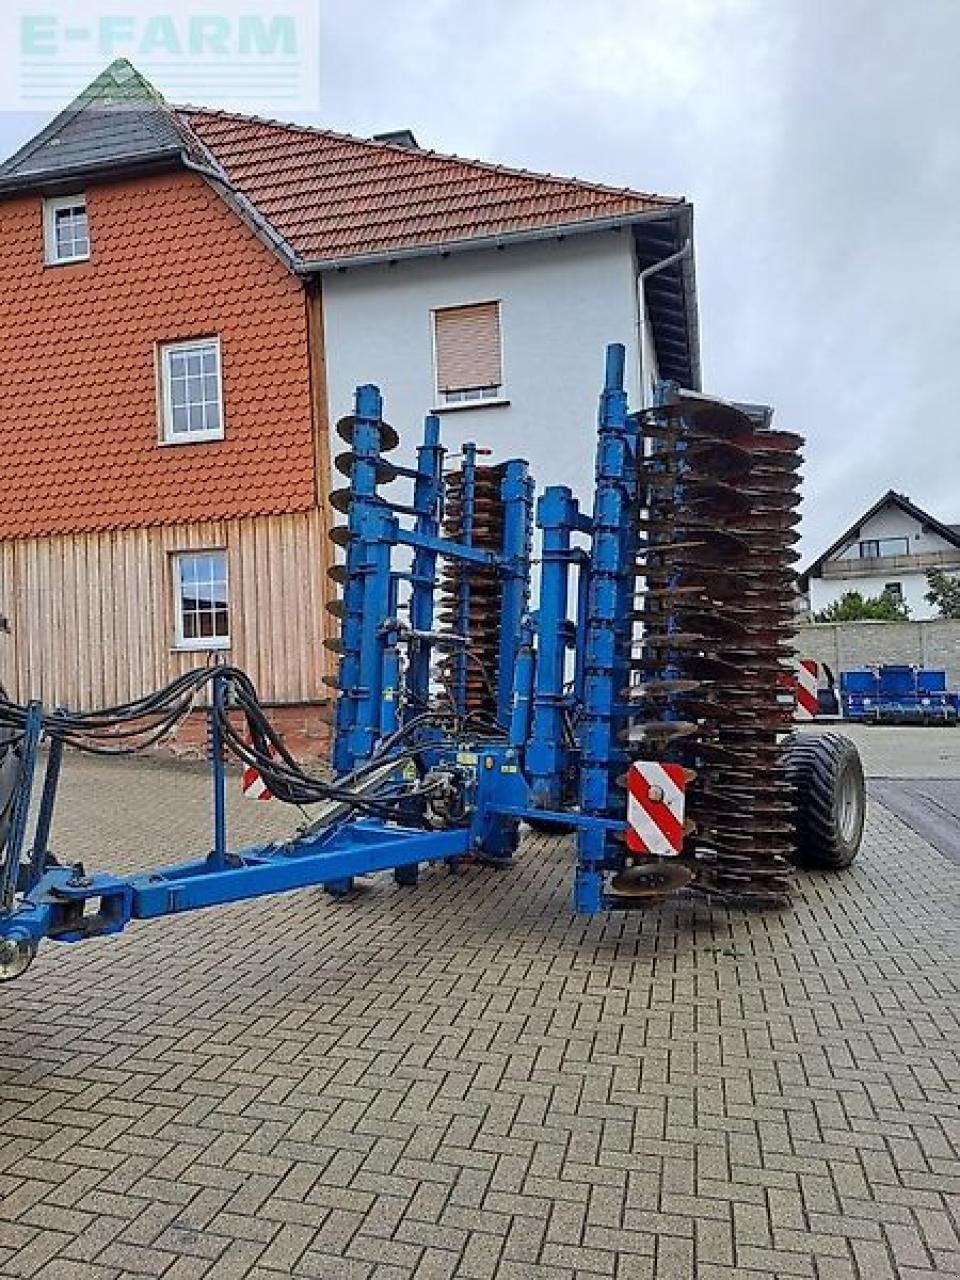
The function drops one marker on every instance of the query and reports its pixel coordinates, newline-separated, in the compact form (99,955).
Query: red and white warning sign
(656,798)
(808,675)
(253,785)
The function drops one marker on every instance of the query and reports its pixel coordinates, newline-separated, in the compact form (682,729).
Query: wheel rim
(848,807)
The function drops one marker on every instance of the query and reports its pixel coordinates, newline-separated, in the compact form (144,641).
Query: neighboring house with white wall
(890,548)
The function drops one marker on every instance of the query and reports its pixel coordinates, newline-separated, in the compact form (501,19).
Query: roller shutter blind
(468,347)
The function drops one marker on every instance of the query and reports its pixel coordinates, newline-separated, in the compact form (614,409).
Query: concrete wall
(561,303)
(845,645)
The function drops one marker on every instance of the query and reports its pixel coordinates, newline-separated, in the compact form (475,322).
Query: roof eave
(680,213)
(680,283)
(22,184)
(501,240)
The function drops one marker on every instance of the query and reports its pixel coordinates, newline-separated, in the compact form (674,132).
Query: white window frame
(493,395)
(194,643)
(164,351)
(51,207)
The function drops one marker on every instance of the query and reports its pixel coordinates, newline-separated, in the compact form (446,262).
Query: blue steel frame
(549,758)
(608,634)
(369,674)
(67,905)
(507,780)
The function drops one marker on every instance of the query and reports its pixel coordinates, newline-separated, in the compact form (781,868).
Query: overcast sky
(818,142)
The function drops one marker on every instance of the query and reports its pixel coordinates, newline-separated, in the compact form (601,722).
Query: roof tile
(335,197)
(79,418)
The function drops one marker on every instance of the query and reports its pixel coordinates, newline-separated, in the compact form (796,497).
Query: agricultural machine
(898,694)
(638,704)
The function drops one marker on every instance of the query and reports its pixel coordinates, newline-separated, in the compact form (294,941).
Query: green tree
(854,607)
(944,593)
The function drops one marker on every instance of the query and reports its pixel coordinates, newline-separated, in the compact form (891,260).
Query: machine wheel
(407,877)
(827,772)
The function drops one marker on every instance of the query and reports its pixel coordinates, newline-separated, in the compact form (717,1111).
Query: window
(467,353)
(894,590)
(191,391)
(66,232)
(201,600)
(874,548)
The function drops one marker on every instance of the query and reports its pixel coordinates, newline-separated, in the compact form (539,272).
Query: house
(187,300)
(890,548)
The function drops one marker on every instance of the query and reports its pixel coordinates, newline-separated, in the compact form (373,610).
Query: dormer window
(66,232)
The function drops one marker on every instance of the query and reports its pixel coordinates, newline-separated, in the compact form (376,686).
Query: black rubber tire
(826,770)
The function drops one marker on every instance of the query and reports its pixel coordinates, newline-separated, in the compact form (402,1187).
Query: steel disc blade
(715,624)
(661,689)
(674,640)
(388,437)
(658,731)
(651,878)
(345,463)
(719,458)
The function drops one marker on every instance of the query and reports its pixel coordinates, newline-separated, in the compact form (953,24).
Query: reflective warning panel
(808,675)
(656,798)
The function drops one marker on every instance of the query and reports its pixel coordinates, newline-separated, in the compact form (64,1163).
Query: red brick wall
(78,415)
(306,731)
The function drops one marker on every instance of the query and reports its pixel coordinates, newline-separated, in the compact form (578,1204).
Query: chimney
(399,138)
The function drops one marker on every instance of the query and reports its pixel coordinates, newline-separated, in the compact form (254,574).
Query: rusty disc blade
(657,731)
(345,463)
(651,878)
(346,428)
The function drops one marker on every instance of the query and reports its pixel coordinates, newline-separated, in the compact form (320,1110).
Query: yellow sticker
(466,757)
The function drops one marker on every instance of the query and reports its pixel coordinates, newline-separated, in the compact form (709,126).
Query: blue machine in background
(898,694)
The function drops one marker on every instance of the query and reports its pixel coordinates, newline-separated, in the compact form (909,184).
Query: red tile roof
(331,196)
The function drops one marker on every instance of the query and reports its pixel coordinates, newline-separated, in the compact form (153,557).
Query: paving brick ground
(465,1080)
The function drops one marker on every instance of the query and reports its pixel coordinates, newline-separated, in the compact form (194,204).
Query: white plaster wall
(823,591)
(561,303)
(891,522)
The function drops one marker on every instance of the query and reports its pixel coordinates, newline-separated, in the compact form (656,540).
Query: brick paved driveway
(466,1080)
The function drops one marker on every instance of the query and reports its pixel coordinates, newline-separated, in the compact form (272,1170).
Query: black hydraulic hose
(134,726)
